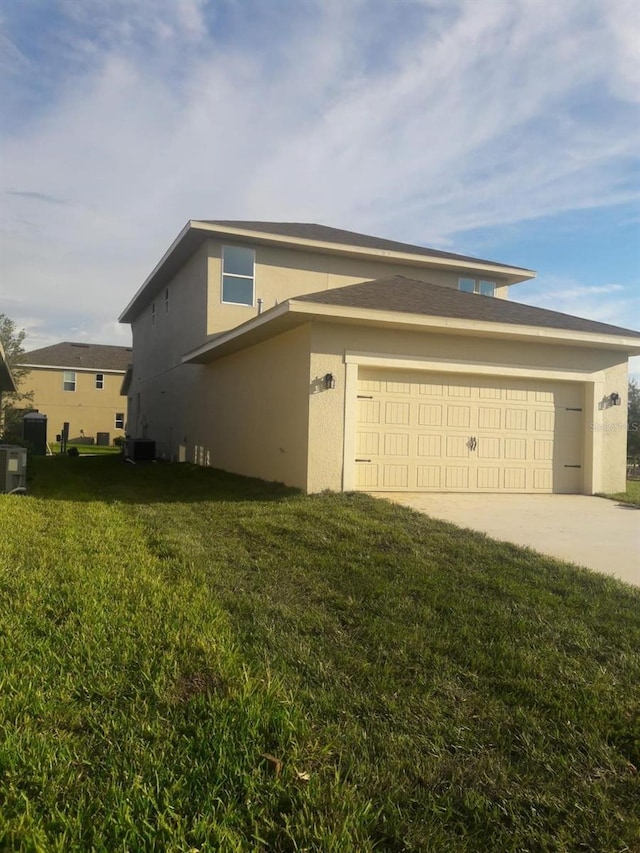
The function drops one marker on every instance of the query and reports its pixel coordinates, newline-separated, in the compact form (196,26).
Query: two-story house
(327,359)
(79,384)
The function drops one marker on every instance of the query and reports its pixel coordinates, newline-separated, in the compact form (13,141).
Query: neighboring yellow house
(327,359)
(79,384)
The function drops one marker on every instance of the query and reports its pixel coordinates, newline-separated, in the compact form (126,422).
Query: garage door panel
(367,443)
(516,419)
(515,448)
(430,445)
(544,421)
(457,477)
(395,476)
(457,447)
(515,478)
(429,477)
(429,415)
(489,418)
(489,448)
(434,432)
(458,416)
(368,411)
(489,478)
(396,444)
(396,413)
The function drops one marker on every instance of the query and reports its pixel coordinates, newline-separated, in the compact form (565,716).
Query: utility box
(140,449)
(34,431)
(13,469)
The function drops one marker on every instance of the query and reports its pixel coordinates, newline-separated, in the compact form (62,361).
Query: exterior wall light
(329,381)
(614,399)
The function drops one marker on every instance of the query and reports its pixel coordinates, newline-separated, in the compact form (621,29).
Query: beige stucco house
(79,384)
(327,359)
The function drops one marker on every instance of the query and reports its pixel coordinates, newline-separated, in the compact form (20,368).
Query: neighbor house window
(237,275)
(119,420)
(69,380)
(166,301)
(477,285)
(99,381)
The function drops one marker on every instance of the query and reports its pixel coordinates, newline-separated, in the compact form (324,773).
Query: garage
(425,431)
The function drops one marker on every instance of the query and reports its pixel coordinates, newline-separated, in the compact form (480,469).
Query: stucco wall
(604,428)
(87,409)
(249,411)
(283,273)
(161,386)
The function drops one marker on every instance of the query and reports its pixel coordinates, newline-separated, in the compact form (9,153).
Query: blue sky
(508,129)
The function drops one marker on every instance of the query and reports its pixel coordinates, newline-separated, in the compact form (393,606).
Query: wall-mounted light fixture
(329,381)
(613,399)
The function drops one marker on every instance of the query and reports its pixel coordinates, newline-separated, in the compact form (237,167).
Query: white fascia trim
(454,324)
(74,369)
(341,248)
(156,269)
(481,368)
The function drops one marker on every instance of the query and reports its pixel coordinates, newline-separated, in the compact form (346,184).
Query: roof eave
(195,228)
(292,313)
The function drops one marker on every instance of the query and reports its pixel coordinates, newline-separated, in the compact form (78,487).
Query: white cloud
(481,113)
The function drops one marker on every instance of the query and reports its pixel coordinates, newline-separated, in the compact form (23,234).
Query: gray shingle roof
(406,295)
(87,356)
(326,234)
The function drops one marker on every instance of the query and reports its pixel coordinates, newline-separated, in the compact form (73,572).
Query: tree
(633,421)
(13,405)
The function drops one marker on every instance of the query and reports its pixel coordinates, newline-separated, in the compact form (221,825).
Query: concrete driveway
(600,534)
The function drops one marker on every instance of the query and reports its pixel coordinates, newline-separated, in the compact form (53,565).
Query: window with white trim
(69,380)
(99,381)
(119,422)
(477,285)
(238,275)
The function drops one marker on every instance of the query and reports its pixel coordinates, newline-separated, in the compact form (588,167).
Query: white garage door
(449,432)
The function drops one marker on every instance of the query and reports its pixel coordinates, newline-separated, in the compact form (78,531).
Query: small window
(99,381)
(237,275)
(119,424)
(475,285)
(69,380)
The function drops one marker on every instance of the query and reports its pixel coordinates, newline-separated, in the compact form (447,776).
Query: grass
(631,496)
(163,628)
(88,449)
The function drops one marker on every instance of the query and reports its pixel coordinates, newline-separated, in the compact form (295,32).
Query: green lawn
(631,496)
(163,627)
(88,449)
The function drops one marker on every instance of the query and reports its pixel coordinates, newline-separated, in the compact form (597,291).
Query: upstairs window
(237,275)
(99,381)
(477,285)
(69,380)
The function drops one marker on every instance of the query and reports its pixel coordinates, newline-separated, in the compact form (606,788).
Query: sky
(504,129)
